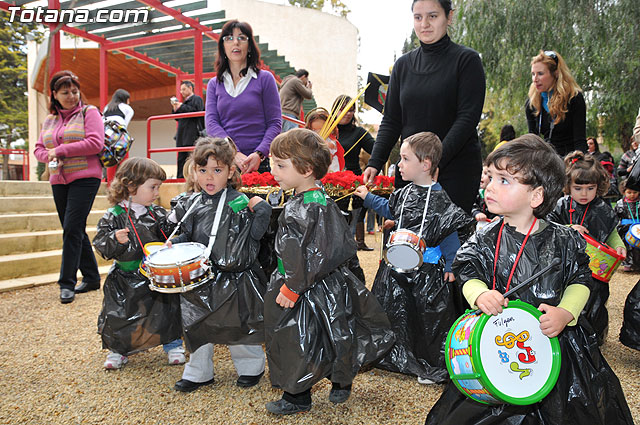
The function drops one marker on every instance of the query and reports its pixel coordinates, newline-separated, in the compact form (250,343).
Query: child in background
(479,211)
(314,121)
(320,320)
(526,178)
(190,187)
(421,303)
(134,318)
(584,210)
(628,211)
(229,309)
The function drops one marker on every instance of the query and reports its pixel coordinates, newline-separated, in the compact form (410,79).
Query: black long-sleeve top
(348,135)
(438,87)
(568,135)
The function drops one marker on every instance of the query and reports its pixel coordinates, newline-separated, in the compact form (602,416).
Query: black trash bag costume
(587,390)
(336,325)
(421,306)
(628,213)
(229,308)
(601,221)
(630,332)
(133,317)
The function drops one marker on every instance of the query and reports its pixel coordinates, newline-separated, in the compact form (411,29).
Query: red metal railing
(25,161)
(151,150)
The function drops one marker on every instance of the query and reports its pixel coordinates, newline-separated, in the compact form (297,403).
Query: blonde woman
(555,108)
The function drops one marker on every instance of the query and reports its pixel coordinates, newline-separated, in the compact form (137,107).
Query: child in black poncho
(584,210)
(229,309)
(628,211)
(420,303)
(134,318)
(526,178)
(320,320)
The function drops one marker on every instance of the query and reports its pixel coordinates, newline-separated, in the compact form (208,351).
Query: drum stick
(196,202)
(529,281)
(344,196)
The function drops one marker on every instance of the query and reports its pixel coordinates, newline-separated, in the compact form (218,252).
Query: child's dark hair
(426,145)
(222,150)
(624,185)
(538,165)
(306,150)
(131,174)
(585,169)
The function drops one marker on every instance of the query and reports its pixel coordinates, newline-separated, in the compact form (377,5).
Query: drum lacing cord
(630,212)
(495,257)
(571,210)
(424,213)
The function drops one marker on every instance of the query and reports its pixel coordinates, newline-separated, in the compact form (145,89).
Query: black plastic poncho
(587,390)
(228,309)
(421,306)
(336,326)
(600,220)
(628,213)
(630,332)
(133,317)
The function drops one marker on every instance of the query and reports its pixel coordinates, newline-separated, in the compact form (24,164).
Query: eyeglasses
(552,55)
(240,38)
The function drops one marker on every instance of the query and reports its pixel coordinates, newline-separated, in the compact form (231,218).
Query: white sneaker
(425,381)
(115,361)
(176,355)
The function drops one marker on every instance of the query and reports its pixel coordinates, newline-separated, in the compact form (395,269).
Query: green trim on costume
(314,196)
(116,210)
(239,203)
(280,267)
(128,266)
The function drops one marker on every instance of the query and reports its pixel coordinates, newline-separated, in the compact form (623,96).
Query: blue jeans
(288,125)
(171,345)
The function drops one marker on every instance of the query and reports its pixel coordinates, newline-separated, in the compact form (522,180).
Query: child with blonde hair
(134,318)
(314,121)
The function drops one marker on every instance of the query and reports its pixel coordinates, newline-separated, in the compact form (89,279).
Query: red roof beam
(178,16)
(153,62)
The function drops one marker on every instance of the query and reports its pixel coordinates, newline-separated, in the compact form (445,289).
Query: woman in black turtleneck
(437,87)
(353,139)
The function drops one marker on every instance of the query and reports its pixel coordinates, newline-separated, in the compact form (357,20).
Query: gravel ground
(51,373)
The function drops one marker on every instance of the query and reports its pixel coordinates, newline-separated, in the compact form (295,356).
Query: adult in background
(354,139)
(626,161)
(188,128)
(555,108)
(437,87)
(293,90)
(118,108)
(243,101)
(72,135)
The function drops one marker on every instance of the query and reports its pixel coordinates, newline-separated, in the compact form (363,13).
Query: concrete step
(29,188)
(39,280)
(40,204)
(35,222)
(45,240)
(34,263)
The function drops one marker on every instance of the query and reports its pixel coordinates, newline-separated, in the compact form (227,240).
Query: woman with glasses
(72,135)
(437,87)
(555,108)
(243,101)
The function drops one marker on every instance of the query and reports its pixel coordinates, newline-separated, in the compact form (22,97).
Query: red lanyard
(495,259)
(571,210)
(136,232)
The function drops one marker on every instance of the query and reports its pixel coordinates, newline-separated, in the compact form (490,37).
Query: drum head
(635,230)
(180,252)
(403,257)
(520,365)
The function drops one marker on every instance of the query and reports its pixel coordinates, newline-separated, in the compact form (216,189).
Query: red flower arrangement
(258,179)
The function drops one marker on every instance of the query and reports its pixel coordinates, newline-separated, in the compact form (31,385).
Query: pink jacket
(77,139)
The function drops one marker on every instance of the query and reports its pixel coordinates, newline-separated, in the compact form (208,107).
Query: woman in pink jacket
(72,135)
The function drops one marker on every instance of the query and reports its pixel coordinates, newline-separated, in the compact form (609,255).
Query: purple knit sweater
(252,120)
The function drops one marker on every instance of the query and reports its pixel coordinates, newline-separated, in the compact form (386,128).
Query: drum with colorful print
(503,359)
(603,260)
(633,236)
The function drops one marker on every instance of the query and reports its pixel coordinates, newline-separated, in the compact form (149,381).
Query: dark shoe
(83,287)
(66,296)
(186,386)
(339,394)
(247,381)
(283,407)
(363,247)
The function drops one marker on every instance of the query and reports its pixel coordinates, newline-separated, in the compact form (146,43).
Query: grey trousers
(247,359)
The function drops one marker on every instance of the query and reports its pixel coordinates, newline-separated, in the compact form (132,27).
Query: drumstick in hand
(529,281)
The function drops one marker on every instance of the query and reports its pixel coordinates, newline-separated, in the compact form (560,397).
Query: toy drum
(603,260)
(180,268)
(503,359)
(404,251)
(148,249)
(633,236)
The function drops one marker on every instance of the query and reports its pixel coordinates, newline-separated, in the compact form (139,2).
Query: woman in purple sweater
(72,135)
(242,101)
